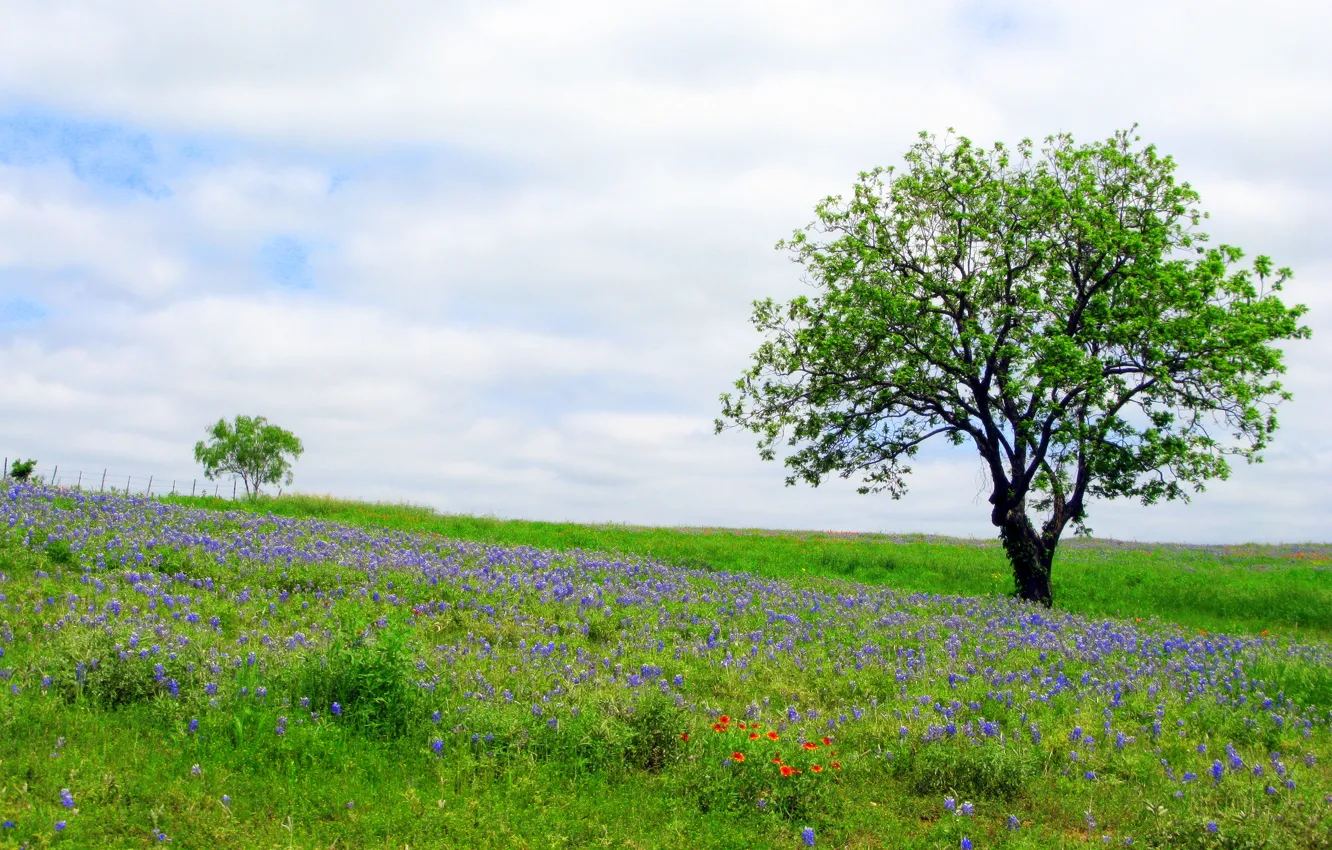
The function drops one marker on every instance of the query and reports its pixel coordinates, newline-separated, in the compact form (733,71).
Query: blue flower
(337,710)
(1211,826)
(966,844)
(807,836)
(9,824)
(60,826)
(66,798)
(950,804)
(1012,822)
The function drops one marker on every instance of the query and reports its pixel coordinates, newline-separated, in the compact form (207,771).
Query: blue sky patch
(21,311)
(286,260)
(99,153)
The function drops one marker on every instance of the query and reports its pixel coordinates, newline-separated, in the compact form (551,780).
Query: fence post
(103,487)
(127,482)
(193,484)
(149,491)
(53,474)
(4,473)
(233,489)
(173,486)
(215,486)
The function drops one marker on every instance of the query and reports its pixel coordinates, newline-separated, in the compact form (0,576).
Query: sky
(498,258)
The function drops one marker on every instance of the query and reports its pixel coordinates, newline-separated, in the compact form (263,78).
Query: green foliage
(251,448)
(984,771)
(22,470)
(1054,308)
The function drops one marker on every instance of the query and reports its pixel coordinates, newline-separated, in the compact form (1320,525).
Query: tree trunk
(1030,556)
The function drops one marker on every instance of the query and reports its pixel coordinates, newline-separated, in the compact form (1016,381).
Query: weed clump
(654,734)
(366,676)
(985,771)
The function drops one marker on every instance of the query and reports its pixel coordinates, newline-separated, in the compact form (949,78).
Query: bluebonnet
(807,836)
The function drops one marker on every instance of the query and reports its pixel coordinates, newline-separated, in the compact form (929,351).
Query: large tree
(251,449)
(1056,308)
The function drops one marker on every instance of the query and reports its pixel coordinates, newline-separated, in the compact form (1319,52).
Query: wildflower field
(175,673)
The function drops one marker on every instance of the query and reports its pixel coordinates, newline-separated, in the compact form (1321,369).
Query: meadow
(306,672)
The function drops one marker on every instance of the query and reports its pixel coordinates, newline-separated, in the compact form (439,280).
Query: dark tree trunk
(1030,556)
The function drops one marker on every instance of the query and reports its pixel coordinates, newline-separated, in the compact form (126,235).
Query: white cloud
(534,231)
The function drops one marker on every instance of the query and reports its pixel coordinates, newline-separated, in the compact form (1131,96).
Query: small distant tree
(250,448)
(1056,309)
(22,470)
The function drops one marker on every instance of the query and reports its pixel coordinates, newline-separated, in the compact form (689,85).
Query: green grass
(1246,589)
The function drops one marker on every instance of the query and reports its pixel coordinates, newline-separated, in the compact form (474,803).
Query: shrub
(22,469)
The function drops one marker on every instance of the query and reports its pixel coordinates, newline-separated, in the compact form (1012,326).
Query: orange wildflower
(827,742)
(753,736)
(772,736)
(723,720)
(738,756)
(787,770)
(810,745)
(836,766)
(684,736)
(818,768)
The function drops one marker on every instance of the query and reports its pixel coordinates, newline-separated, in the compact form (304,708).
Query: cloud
(499,257)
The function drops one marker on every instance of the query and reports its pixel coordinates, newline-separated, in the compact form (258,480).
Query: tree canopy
(252,449)
(1056,308)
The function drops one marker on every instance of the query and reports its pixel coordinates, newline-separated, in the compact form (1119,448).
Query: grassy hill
(1285,588)
(313,673)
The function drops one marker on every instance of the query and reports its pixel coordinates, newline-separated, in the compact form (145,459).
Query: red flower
(787,770)
(723,720)
(772,736)
(818,768)
(810,745)
(684,736)
(777,759)
(827,742)
(738,756)
(717,727)
(753,736)
(836,766)
(742,725)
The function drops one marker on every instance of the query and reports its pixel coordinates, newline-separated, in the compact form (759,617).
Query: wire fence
(106,481)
